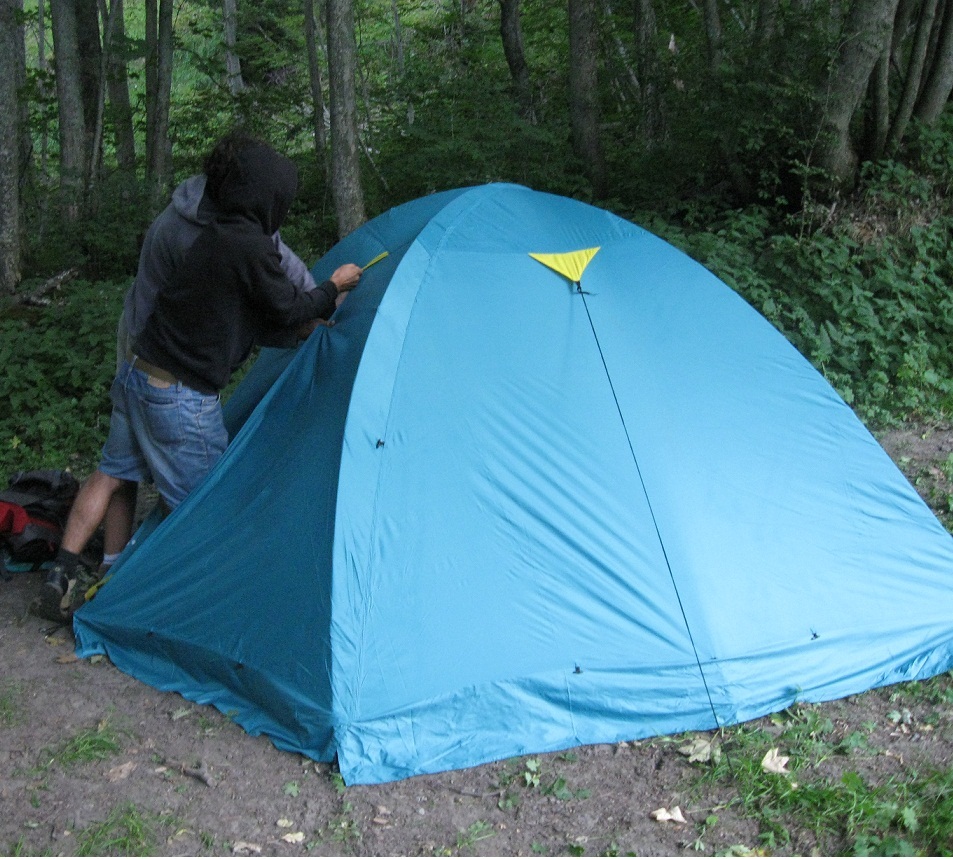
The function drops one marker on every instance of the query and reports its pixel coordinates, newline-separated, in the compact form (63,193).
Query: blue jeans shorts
(167,433)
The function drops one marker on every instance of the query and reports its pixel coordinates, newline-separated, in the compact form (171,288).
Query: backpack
(33,511)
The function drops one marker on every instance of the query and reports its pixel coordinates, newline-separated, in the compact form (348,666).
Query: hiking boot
(50,603)
(83,588)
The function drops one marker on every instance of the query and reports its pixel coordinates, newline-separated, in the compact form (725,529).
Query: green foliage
(126,831)
(470,135)
(850,815)
(520,776)
(862,291)
(112,232)
(11,707)
(58,365)
(865,299)
(93,744)
(342,828)
(477,831)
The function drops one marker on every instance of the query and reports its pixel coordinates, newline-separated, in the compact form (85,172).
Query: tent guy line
(586,257)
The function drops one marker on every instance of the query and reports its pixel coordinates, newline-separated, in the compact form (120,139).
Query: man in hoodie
(226,291)
(193,206)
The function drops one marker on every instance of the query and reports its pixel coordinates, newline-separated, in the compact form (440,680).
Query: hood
(260,187)
(190,202)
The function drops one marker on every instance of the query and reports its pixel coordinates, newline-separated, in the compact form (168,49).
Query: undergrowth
(863,294)
(125,831)
(861,288)
(59,362)
(824,789)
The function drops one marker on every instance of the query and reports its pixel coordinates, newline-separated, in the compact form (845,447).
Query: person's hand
(346,277)
(306,329)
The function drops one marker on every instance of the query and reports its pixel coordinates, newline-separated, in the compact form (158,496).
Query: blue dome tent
(546,482)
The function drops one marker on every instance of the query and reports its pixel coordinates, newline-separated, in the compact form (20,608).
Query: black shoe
(49,604)
(83,588)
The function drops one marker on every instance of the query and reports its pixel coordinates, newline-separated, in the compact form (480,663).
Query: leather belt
(150,369)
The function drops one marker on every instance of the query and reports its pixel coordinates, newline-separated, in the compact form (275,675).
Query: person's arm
(292,265)
(345,278)
(286,306)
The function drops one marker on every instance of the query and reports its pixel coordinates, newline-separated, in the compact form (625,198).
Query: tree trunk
(398,37)
(11,30)
(866,34)
(623,79)
(345,158)
(649,72)
(233,67)
(879,118)
(152,75)
(44,67)
(317,92)
(939,80)
(159,167)
(96,146)
(120,108)
(511,33)
(90,64)
(72,124)
(914,77)
(584,91)
(25,156)
(713,33)
(767,22)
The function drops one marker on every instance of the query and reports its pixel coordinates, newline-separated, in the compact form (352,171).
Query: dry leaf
(663,815)
(245,847)
(121,772)
(293,837)
(284,823)
(698,749)
(67,658)
(775,762)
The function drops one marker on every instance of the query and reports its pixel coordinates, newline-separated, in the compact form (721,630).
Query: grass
(850,813)
(342,828)
(91,744)
(11,708)
(480,830)
(126,831)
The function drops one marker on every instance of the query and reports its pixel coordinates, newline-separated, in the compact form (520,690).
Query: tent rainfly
(546,482)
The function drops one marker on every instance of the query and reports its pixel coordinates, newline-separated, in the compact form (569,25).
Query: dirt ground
(94,762)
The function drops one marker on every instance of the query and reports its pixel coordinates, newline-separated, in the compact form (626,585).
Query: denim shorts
(167,433)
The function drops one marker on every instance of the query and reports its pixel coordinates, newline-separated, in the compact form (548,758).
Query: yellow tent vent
(571,264)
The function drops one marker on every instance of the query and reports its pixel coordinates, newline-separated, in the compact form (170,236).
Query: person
(226,292)
(192,207)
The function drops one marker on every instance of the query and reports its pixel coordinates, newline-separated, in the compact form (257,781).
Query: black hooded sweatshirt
(229,289)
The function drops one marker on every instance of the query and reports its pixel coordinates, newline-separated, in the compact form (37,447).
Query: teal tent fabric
(510,504)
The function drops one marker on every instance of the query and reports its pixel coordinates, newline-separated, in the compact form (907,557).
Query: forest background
(802,150)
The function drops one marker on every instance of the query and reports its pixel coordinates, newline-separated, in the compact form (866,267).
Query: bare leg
(89,510)
(120,515)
